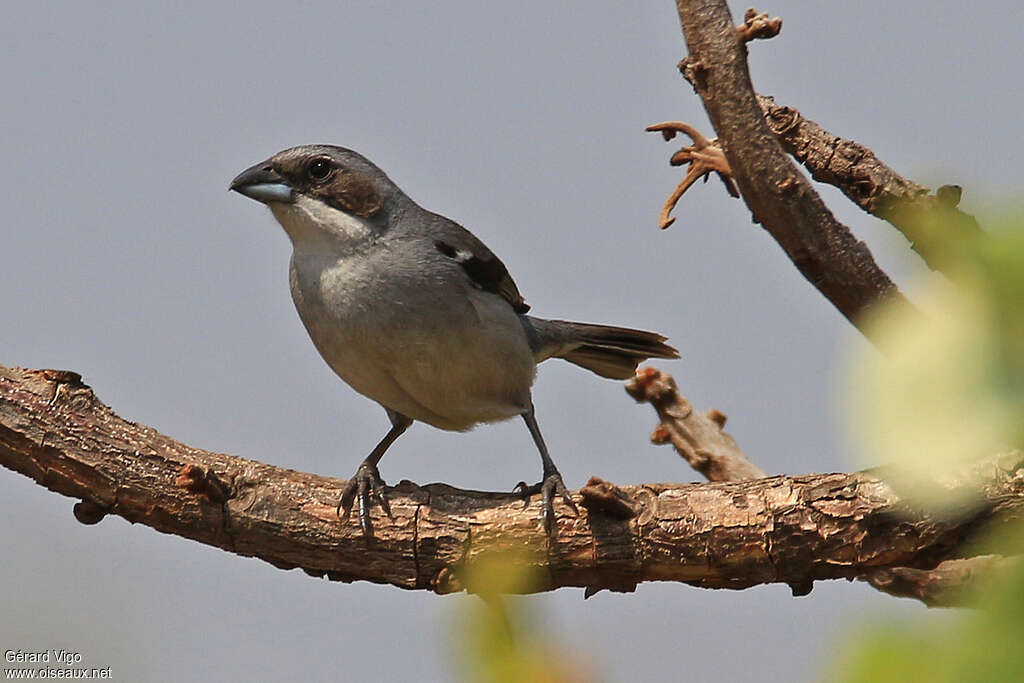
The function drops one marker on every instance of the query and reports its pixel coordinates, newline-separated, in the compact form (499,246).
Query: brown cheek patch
(351,194)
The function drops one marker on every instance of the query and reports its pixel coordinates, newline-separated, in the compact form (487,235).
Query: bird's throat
(312,223)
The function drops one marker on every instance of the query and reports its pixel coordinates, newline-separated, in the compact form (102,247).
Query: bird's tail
(612,352)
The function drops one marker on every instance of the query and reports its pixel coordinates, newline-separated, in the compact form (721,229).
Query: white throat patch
(310,221)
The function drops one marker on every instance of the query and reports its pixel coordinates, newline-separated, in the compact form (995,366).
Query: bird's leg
(366,483)
(552,479)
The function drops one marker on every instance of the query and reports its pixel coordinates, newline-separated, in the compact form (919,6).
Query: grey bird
(414,312)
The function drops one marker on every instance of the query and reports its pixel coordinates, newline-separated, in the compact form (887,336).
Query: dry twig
(700,439)
(704,156)
(928,221)
(758,25)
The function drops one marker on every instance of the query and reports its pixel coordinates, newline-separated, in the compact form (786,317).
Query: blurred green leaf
(983,644)
(499,639)
(946,389)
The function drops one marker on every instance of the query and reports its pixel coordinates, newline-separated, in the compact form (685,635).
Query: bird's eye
(319,168)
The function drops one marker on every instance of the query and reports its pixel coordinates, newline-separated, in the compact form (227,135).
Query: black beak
(262,183)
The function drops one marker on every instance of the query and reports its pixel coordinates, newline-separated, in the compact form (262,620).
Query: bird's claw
(367,486)
(524,491)
(548,488)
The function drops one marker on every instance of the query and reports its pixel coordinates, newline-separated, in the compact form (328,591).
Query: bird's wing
(484,269)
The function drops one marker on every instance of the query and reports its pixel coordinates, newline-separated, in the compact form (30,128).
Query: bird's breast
(414,338)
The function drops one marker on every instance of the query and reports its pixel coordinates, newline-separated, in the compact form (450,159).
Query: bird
(411,310)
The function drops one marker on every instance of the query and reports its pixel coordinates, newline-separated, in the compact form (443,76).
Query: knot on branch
(63,377)
(204,483)
(62,387)
(758,25)
(932,223)
(604,497)
(694,71)
(653,386)
(446,582)
(704,156)
(781,119)
(89,512)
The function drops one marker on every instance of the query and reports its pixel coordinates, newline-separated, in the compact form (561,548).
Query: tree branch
(927,221)
(792,530)
(699,438)
(717,69)
(778,195)
(950,584)
(701,441)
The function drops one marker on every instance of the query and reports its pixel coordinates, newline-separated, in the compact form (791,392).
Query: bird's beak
(262,183)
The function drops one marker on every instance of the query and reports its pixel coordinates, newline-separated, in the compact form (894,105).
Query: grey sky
(125,258)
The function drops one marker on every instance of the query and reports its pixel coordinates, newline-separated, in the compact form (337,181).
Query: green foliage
(948,385)
(499,638)
(946,390)
(982,645)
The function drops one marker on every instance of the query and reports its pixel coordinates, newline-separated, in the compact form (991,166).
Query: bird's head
(321,190)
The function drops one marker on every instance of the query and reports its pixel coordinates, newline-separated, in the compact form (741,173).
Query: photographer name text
(65,657)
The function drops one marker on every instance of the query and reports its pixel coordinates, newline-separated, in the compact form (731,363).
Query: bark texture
(792,530)
(699,438)
(929,221)
(780,198)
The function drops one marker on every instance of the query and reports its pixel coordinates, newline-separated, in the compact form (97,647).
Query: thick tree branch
(778,195)
(927,220)
(792,530)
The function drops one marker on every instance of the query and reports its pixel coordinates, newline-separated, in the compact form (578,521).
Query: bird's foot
(548,488)
(367,486)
